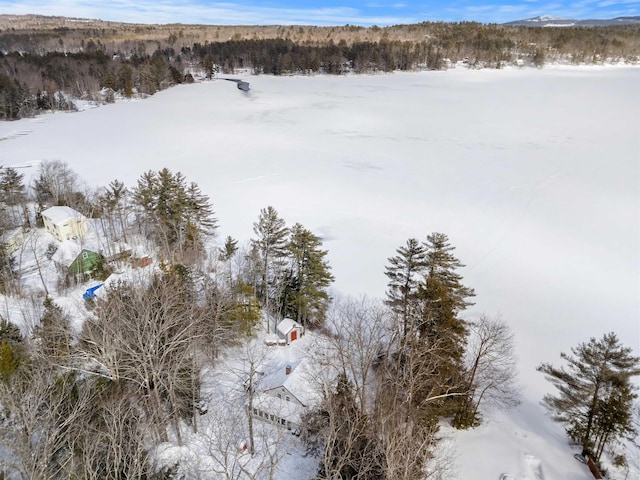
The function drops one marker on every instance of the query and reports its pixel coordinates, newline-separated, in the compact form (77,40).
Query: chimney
(287,369)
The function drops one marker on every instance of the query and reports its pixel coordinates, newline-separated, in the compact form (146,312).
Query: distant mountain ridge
(552,21)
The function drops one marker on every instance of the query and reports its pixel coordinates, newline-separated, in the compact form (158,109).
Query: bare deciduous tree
(46,409)
(55,183)
(148,338)
(247,373)
(361,335)
(375,421)
(271,243)
(491,369)
(112,440)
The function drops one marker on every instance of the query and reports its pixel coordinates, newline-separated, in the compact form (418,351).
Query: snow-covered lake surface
(533,174)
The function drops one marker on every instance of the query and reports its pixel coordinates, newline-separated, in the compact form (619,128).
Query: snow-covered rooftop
(286,325)
(67,252)
(61,214)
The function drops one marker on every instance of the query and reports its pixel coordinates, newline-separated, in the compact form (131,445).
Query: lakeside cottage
(283,396)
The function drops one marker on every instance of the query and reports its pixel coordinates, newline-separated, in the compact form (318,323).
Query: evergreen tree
(227,252)
(7,269)
(198,213)
(125,80)
(179,215)
(343,434)
(242,313)
(442,265)
(305,296)
(114,203)
(443,297)
(405,272)
(55,332)
(15,99)
(10,349)
(10,331)
(595,392)
(8,360)
(271,244)
(229,249)
(144,197)
(613,417)
(208,65)
(426,293)
(12,186)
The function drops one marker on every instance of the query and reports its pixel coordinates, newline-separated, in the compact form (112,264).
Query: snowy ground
(533,174)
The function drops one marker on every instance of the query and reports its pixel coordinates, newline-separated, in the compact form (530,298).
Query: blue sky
(320,12)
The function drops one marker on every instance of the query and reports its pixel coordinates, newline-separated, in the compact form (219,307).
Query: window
(85,255)
(280,396)
(282,421)
(255,411)
(287,399)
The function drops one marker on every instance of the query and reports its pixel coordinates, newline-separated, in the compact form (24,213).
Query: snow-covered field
(533,174)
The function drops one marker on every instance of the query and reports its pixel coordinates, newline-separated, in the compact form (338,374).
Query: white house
(290,330)
(283,396)
(64,223)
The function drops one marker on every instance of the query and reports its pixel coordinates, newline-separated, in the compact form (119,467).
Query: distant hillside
(43,57)
(551,21)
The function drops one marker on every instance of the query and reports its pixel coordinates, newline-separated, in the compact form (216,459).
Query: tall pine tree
(426,292)
(305,296)
(11,186)
(227,252)
(441,328)
(271,243)
(444,297)
(114,204)
(405,272)
(179,215)
(595,384)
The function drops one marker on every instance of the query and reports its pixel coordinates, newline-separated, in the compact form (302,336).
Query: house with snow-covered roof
(284,395)
(74,259)
(290,330)
(64,223)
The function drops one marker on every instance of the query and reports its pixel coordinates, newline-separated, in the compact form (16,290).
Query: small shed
(290,330)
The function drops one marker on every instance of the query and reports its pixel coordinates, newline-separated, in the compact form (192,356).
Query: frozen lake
(533,175)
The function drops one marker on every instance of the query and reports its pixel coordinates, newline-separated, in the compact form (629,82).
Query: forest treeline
(46,60)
